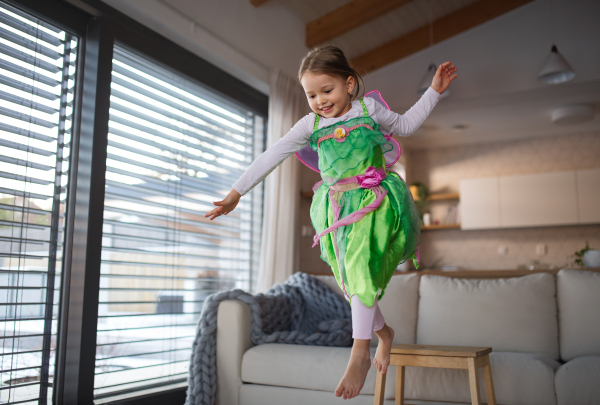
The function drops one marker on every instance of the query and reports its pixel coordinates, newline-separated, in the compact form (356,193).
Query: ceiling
(393,24)
(496,97)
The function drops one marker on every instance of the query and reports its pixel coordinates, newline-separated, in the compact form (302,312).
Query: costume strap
(364,107)
(316,127)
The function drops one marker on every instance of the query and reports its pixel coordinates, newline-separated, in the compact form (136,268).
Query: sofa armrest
(233,339)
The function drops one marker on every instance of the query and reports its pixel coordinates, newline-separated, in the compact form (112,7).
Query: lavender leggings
(365,320)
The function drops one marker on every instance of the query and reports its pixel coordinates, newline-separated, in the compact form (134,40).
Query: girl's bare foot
(356,372)
(382,356)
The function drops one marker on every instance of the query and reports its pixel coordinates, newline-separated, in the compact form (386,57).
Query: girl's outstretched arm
(407,123)
(443,77)
(225,206)
(264,164)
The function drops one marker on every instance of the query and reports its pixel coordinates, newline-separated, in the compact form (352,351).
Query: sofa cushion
(578,294)
(308,367)
(519,378)
(255,394)
(512,315)
(398,306)
(577,381)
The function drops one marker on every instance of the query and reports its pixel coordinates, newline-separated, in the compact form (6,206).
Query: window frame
(99,26)
(75,22)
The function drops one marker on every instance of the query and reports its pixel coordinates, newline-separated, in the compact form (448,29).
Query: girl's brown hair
(330,60)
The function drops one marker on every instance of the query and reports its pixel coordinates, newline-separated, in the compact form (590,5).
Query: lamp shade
(573,114)
(426,83)
(556,69)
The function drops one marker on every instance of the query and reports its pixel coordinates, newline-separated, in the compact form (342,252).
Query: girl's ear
(350,83)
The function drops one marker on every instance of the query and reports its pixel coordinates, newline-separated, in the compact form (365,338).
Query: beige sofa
(544,331)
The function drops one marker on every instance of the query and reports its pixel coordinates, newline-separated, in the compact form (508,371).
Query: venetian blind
(174,147)
(37,66)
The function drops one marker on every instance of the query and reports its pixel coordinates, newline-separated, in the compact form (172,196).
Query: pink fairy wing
(376,95)
(392,155)
(310,158)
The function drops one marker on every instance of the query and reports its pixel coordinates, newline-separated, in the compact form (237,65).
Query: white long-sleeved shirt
(299,135)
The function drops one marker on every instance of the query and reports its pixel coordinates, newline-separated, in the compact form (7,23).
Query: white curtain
(287,104)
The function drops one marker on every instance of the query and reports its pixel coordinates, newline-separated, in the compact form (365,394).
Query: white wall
(443,168)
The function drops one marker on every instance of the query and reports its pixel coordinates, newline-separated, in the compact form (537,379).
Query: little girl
(365,218)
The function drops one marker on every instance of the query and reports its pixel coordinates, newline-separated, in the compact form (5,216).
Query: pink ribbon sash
(371,180)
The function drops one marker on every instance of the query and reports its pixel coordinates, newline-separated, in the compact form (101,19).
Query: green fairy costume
(364,215)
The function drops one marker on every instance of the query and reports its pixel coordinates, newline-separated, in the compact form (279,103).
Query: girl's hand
(443,77)
(225,206)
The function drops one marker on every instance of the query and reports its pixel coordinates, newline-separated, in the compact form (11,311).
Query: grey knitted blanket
(302,311)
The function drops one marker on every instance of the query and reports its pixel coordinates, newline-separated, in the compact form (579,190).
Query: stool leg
(474,382)
(400,385)
(380,388)
(489,383)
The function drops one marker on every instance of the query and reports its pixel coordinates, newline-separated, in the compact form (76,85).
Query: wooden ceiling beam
(443,28)
(346,18)
(257,3)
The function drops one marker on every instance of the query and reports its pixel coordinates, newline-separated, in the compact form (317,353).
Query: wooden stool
(458,357)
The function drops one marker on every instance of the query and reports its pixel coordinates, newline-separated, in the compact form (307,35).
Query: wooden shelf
(307,194)
(439,227)
(444,196)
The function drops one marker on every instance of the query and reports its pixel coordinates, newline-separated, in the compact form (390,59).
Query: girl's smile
(328,96)
(327,109)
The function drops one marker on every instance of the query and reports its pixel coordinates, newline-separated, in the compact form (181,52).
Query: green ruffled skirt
(370,250)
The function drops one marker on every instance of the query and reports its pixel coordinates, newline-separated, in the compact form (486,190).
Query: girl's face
(328,96)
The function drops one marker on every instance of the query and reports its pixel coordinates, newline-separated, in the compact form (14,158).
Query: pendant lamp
(556,69)
(426,83)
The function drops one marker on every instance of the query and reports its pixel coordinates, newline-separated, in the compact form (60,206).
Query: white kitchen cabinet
(538,200)
(480,203)
(588,193)
(563,198)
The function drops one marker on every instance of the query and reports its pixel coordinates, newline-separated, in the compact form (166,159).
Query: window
(174,147)
(37,67)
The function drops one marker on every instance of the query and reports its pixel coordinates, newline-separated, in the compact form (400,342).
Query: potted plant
(587,257)
(420,194)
